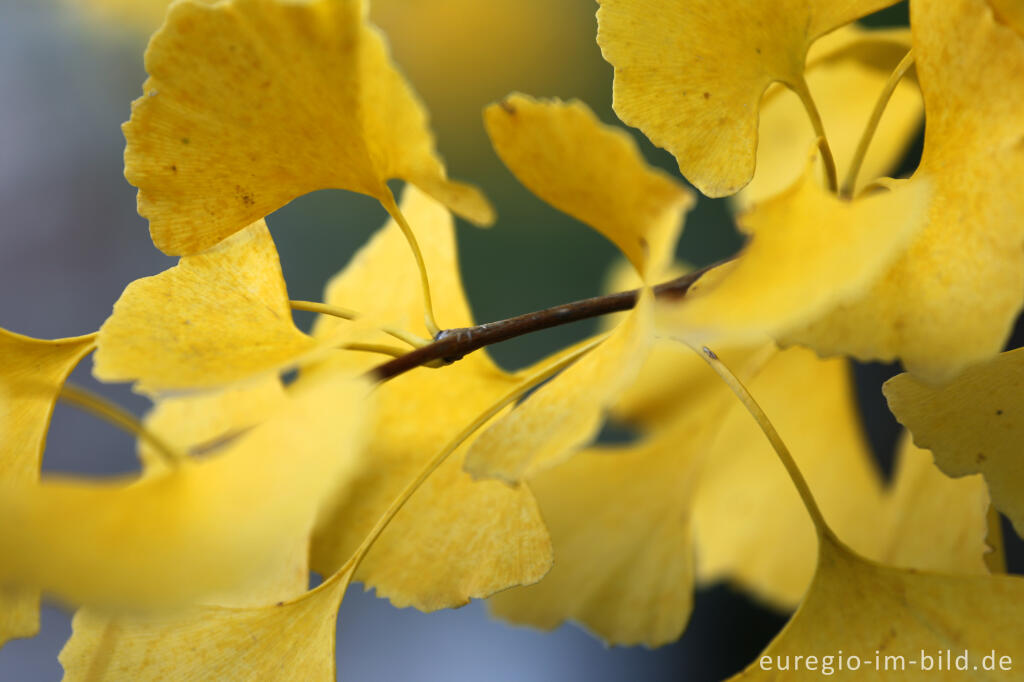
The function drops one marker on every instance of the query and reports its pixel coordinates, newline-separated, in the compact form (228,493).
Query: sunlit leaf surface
(252,103)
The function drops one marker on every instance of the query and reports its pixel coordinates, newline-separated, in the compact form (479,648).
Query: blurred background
(70,240)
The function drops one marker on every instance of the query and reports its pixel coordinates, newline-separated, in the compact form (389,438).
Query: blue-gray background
(70,240)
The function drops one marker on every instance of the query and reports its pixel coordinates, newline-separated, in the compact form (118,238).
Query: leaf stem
(804,93)
(103,409)
(396,213)
(744,396)
(876,115)
(383,349)
(324,309)
(349,314)
(451,345)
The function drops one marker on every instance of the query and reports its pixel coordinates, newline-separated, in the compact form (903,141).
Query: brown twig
(451,345)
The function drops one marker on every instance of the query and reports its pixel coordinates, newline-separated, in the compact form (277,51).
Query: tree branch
(451,345)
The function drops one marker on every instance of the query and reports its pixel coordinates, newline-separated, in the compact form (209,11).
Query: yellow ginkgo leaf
(207,525)
(216,317)
(197,424)
(672,380)
(31,376)
(874,616)
(192,425)
(455,539)
(809,252)
(291,640)
(382,283)
(622,519)
(619,520)
(654,401)
(252,103)
(619,517)
(19,614)
(930,521)
(1010,12)
(846,71)
(593,172)
(691,75)
(950,300)
(745,511)
(974,424)
(566,413)
(596,174)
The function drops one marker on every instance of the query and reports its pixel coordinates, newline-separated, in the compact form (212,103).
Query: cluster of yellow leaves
(248,484)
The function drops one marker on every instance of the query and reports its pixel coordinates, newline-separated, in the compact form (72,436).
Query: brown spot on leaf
(707,95)
(245,197)
(185,140)
(174,169)
(889,636)
(509,108)
(999,413)
(980,457)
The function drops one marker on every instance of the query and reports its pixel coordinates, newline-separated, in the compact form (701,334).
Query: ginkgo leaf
(619,520)
(846,71)
(19,614)
(691,75)
(455,539)
(654,401)
(593,172)
(619,517)
(567,412)
(197,424)
(207,525)
(745,509)
(1010,12)
(252,103)
(930,521)
(107,645)
(622,519)
(874,616)
(974,424)
(596,174)
(31,376)
(382,283)
(216,317)
(950,300)
(291,640)
(809,252)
